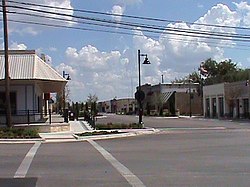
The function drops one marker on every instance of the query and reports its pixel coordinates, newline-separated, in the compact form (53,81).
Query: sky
(103,60)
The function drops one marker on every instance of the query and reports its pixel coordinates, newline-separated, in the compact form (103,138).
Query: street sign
(140,95)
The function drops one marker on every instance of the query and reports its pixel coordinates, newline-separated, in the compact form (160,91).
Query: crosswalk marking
(24,167)
(124,171)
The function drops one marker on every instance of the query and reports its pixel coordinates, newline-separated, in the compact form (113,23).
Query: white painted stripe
(24,167)
(124,171)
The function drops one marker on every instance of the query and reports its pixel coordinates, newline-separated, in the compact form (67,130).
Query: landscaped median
(110,125)
(110,130)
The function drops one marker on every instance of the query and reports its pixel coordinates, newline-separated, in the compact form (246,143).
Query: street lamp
(65,111)
(140,95)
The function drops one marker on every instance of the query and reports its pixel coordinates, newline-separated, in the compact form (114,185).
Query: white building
(31,82)
(227,100)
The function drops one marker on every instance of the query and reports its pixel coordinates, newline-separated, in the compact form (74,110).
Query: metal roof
(25,65)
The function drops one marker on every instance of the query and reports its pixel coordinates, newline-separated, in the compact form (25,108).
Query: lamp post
(140,94)
(65,111)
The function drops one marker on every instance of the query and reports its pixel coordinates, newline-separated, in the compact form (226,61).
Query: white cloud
(33,29)
(177,55)
(96,72)
(243,9)
(67,68)
(16,46)
(118,10)
(90,58)
(220,14)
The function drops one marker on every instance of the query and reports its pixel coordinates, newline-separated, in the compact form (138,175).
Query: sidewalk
(75,127)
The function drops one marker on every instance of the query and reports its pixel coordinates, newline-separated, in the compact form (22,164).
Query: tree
(82,106)
(211,67)
(195,77)
(224,71)
(231,96)
(92,102)
(59,101)
(92,98)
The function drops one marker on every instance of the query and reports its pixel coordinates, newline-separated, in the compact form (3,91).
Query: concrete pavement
(75,127)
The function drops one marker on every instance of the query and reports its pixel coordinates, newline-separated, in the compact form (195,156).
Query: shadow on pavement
(17,182)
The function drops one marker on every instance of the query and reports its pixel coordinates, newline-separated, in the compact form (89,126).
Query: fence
(27,117)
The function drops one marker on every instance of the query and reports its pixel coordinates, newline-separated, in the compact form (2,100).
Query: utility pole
(7,77)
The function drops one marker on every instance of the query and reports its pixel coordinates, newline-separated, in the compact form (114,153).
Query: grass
(19,133)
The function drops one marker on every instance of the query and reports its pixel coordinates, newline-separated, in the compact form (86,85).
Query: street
(185,152)
(173,122)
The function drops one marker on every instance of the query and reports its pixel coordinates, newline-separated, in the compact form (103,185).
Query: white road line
(24,167)
(124,171)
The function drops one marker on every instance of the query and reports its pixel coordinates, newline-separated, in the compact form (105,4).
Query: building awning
(166,96)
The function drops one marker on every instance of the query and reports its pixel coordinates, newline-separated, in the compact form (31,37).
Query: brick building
(118,106)
(172,99)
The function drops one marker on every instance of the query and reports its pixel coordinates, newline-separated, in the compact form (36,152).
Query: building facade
(172,99)
(118,106)
(227,100)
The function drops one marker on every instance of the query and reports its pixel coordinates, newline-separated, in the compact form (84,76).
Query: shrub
(18,133)
(110,125)
(98,133)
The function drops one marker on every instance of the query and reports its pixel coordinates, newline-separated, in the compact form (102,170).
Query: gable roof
(25,65)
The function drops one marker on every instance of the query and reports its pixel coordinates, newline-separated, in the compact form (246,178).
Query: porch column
(211,107)
(217,107)
(241,104)
(204,106)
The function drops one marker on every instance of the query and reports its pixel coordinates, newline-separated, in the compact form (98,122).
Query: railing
(28,117)
(91,120)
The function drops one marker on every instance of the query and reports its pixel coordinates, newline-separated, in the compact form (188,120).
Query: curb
(20,141)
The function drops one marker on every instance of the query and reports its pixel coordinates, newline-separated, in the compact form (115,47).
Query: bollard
(28,116)
(50,116)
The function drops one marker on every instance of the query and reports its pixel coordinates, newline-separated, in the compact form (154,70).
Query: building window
(12,102)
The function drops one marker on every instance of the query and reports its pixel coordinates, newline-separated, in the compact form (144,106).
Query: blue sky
(105,64)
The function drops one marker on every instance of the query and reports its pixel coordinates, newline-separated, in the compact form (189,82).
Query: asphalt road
(186,152)
(172,122)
